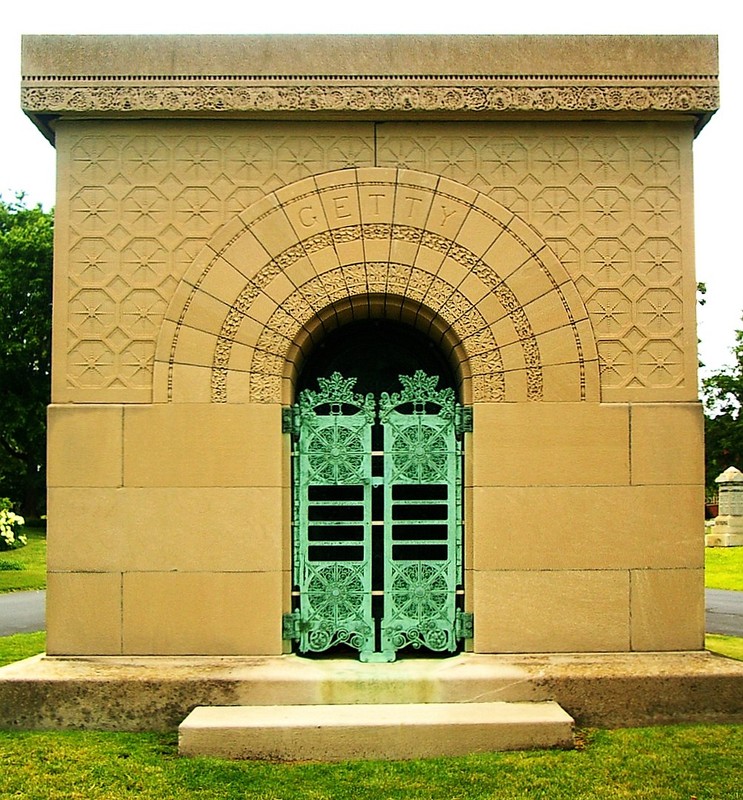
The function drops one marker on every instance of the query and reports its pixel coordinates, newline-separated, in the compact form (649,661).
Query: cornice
(463,94)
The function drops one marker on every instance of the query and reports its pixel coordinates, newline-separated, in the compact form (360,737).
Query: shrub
(11,527)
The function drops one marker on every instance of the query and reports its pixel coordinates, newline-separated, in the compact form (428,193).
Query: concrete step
(384,731)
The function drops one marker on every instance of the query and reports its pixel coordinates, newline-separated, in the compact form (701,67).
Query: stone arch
(381,306)
(239,316)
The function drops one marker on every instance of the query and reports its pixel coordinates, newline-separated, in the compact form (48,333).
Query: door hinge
(287,420)
(290,625)
(464,419)
(464,625)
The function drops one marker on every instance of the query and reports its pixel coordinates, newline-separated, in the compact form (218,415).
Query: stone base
(723,540)
(156,693)
(381,731)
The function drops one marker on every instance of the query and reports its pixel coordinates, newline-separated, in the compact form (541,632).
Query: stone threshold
(138,693)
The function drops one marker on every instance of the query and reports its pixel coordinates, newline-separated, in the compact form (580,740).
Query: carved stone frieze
(174,96)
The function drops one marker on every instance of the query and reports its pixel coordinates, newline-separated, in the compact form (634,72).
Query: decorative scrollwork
(423,97)
(420,454)
(335,591)
(335,455)
(418,389)
(336,391)
(335,596)
(420,606)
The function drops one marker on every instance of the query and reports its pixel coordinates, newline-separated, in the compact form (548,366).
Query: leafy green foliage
(722,393)
(11,527)
(25,350)
(31,560)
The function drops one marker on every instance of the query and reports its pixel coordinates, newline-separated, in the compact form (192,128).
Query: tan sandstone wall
(169,481)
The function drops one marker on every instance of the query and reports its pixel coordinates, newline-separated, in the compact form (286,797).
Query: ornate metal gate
(378,519)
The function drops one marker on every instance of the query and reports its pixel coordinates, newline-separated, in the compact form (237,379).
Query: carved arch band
(376,242)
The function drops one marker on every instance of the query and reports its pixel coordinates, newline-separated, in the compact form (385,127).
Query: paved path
(25,611)
(724,612)
(22,612)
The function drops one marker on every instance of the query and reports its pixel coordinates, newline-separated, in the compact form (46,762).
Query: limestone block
(206,613)
(543,444)
(562,382)
(204,312)
(203,445)
(205,528)
(667,443)
(667,609)
(244,252)
(84,445)
(551,611)
(378,54)
(381,731)
(83,613)
(581,527)
(728,525)
(194,383)
(723,540)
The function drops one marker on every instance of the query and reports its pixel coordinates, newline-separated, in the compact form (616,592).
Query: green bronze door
(377,519)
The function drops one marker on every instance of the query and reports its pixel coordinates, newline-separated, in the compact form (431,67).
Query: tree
(25,351)
(722,393)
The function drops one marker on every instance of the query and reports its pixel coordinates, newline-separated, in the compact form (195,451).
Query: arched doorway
(377,506)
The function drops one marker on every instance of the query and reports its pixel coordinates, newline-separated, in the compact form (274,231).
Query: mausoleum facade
(256,236)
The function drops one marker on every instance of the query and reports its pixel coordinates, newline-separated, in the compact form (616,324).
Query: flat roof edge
(351,76)
(358,55)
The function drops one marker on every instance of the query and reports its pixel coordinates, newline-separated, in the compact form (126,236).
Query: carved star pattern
(503,159)
(660,311)
(660,362)
(92,361)
(658,208)
(660,260)
(615,362)
(91,309)
(556,207)
(606,207)
(549,196)
(608,260)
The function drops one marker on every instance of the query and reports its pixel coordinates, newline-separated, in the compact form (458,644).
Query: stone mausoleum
(377,345)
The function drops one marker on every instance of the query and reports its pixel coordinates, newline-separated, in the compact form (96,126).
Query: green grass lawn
(667,763)
(724,568)
(32,562)
(21,645)
(730,646)
(672,763)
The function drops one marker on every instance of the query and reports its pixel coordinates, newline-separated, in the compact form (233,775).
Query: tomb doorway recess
(377,505)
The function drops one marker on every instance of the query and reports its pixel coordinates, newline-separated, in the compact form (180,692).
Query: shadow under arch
(375,339)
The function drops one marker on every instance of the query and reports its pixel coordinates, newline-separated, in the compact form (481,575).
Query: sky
(27,159)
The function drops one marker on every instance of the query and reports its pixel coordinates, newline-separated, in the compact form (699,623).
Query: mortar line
(629,441)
